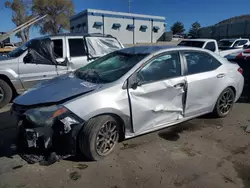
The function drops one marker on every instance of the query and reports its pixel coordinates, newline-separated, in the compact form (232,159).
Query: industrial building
(235,27)
(128,28)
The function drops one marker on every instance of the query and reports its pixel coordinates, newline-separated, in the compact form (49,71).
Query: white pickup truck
(44,58)
(209,44)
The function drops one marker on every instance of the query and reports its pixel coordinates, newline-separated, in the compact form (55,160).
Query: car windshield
(197,44)
(226,43)
(19,51)
(109,68)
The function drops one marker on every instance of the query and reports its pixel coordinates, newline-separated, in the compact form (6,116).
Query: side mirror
(28,58)
(134,81)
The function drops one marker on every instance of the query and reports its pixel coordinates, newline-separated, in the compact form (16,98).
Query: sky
(207,12)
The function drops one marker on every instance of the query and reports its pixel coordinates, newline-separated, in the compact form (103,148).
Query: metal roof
(145,49)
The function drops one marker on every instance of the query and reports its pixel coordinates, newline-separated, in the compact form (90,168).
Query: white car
(124,94)
(226,44)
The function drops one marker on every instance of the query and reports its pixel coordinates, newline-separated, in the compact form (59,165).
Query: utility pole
(129,4)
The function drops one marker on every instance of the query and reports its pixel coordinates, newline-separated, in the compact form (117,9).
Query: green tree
(194,29)
(58,14)
(177,27)
(20,14)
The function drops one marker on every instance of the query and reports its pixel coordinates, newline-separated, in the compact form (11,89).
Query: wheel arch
(7,80)
(123,120)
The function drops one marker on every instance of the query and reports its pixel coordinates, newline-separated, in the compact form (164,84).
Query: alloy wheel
(226,102)
(1,94)
(106,138)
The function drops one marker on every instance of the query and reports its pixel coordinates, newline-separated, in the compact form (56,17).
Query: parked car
(177,37)
(209,44)
(124,94)
(67,52)
(226,44)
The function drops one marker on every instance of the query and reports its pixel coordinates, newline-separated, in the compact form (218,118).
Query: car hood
(4,58)
(56,90)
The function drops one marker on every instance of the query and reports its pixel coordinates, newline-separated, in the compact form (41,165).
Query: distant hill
(235,19)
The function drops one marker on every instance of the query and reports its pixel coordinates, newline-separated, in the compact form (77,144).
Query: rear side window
(76,48)
(240,42)
(210,46)
(58,48)
(198,62)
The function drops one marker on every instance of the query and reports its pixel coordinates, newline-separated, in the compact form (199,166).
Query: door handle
(179,85)
(220,75)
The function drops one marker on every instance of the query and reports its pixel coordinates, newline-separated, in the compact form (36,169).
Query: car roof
(145,49)
(201,40)
(234,39)
(151,49)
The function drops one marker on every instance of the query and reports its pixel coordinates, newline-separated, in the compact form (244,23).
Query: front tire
(224,103)
(5,93)
(99,137)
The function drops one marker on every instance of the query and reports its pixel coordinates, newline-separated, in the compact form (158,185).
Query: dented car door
(159,95)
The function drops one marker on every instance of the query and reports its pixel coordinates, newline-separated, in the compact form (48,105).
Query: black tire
(217,111)
(89,134)
(7,93)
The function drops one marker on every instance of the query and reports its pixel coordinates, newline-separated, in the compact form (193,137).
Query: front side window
(164,67)
(58,48)
(240,43)
(76,48)
(198,62)
(210,46)
(109,68)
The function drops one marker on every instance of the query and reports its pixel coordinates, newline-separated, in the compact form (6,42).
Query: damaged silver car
(122,95)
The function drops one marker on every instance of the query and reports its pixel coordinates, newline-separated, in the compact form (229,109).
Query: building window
(130,27)
(78,28)
(72,29)
(98,25)
(155,29)
(143,28)
(116,26)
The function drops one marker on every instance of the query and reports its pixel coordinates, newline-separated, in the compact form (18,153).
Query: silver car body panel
(151,109)
(148,107)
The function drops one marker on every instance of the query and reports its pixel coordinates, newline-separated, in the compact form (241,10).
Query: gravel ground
(201,153)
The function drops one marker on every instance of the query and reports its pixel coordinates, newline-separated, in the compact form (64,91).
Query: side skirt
(162,126)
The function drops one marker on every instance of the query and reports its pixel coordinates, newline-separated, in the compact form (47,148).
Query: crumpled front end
(47,134)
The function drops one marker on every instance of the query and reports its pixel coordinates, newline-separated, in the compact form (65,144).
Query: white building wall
(143,36)
(122,33)
(91,22)
(126,36)
(159,33)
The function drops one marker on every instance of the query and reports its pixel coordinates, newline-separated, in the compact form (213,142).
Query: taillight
(240,70)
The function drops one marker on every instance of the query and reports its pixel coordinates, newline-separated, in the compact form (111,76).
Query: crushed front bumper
(46,144)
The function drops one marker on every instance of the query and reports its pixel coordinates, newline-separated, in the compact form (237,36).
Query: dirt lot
(201,153)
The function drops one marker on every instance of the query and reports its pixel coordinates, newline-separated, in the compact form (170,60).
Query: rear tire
(5,93)
(99,137)
(224,103)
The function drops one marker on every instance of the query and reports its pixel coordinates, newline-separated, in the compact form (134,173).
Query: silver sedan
(124,94)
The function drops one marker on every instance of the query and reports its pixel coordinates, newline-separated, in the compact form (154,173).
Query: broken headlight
(46,116)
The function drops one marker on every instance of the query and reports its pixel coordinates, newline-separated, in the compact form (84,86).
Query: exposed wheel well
(6,79)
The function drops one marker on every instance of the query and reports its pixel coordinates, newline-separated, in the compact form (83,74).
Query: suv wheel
(99,137)
(5,93)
